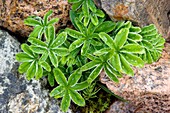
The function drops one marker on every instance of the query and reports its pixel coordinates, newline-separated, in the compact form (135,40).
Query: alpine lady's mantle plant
(74,58)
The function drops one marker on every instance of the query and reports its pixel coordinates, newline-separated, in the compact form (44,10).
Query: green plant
(75,58)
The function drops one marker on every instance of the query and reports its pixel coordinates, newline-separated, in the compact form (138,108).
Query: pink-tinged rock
(141,12)
(13,13)
(148,90)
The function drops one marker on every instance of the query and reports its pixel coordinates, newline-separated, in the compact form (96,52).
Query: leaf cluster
(74,58)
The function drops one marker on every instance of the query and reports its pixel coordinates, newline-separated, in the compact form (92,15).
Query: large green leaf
(61,38)
(134,60)
(59,77)
(115,61)
(132,48)
(27,50)
(89,65)
(85,8)
(76,97)
(23,57)
(32,22)
(56,91)
(31,71)
(80,86)
(47,16)
(65,103)
(37,42)
(85,47)
(126,67)
(107,39)
(110,74)
(24,67)
(94,74)
(74,33)
(76,44)
(106,27)
(61,51)
(121,38)
(74,77)
(53,59)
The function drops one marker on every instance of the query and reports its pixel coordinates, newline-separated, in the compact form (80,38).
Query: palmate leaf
(40,25)
(68,89)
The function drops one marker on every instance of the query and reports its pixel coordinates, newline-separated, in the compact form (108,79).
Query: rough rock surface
(13,12)
(148,90)
(17,95)
(142,12)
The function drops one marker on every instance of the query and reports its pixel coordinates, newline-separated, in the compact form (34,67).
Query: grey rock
(17,95)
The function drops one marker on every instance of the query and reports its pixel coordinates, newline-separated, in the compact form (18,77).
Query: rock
(13,12)
(17,95)
(141,12)
(149,89)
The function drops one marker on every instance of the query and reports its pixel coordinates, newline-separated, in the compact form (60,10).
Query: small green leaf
(94,19)
(80,86)
(113,70)
(107,39)
(74,77)
(39,72)
(74,33)
(59,77)
(49,13)
(56,91)
(115,61)
(77,5)
(65,103)
(44,56)
(53,58)
(23,57)
(149,57)
(61,38)
(76,44)
(132,48)
(51,82)
(106,27)
(100,13)
(135,29)
(101,51)
(147,45)
(94,74)
(125,66)
(80,25)
(24,67)
(76,97)
(148,28)
(85,8)
(46,66)
(31,71)
(32,22)
(37,42)
(85,47)
(61,51)
(89,65)
(135,36)
(121,37)
(134,60)
(110,74)
(91,5)
(39,50)
(27,50)
(86,20)
(35,33)
(53,21)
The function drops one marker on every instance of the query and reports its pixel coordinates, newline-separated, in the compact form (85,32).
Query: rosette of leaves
(51,48)
(40,25)
(88,36)
(31,64)
(152,42)
(88,11)
(68,89)
(116,58)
